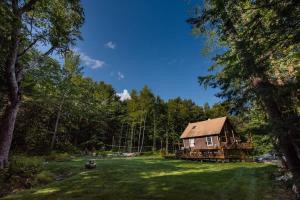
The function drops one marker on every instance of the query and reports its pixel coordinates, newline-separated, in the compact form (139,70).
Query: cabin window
(192,142)
(209,141)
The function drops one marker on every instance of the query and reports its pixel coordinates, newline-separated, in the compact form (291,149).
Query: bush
(59,157)
(45,177)
(262,144)
(163,152)
(21,173)
(151,153)
(104,154)
(25,166)
(36,140)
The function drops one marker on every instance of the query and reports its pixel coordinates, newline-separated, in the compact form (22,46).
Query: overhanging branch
(28,6)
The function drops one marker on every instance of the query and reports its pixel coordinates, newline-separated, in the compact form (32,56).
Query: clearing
(156,178)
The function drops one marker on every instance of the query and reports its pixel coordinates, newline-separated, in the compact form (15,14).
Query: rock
(91,164)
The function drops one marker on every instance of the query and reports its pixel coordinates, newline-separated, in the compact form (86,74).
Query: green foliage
(263,144)
(93,117)
(151,153)
(24,166)
(163,152)
(59,157)
(36,140)
(45,177)
(21,174)
(260,47)
(257,68)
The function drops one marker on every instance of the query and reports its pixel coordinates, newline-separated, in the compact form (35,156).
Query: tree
(133,115)
(147,101)
(52,23)
(258,63)
(66,87)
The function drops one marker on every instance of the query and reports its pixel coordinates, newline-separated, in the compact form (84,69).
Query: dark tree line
(64,111)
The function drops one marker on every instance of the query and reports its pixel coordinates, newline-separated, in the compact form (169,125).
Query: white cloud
(120,76)
(88,61)
(110,45)
(124,95)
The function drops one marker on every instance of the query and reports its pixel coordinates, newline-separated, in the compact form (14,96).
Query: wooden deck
(238,152)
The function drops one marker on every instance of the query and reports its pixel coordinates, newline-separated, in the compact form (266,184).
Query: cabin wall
(200,143)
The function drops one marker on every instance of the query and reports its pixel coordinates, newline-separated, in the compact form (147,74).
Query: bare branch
(29,47)
(49,51)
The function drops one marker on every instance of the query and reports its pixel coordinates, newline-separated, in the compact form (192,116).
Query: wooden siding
(200,143)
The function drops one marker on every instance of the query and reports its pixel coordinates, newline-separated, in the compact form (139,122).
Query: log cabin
(213,139)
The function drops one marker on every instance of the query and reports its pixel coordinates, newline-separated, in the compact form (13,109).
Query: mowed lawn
(157,178)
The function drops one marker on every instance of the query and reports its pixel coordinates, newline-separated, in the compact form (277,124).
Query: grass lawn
(156,178)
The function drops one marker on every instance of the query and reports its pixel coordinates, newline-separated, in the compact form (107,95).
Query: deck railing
(225,151)
(243,145)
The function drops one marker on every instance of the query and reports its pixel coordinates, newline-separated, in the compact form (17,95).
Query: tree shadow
(119,179)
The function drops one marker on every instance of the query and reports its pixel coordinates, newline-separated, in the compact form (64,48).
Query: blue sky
(132,43)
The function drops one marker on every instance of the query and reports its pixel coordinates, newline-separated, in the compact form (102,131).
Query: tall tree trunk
(154,133)
(131,137)
(77,132)
(6,134)
(14,76)
(56,124)
(285,133)
(126,139)
(113,143)
(167,134)
(264,90)
(143,137)
(167,142)
(173,146)
(140,132)
(120,139)
(75,139)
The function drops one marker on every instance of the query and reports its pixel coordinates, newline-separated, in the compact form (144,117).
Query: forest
(64,111)
(48,105)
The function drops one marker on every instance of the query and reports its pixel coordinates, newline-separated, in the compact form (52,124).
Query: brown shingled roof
(204,128)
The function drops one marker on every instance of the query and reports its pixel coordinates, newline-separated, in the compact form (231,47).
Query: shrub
(60,157)
(25,166)
(45,177)
(163,152)
(36,140)
(21,173)
(151,153)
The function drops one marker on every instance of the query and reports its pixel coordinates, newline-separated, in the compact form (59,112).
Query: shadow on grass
(163,179)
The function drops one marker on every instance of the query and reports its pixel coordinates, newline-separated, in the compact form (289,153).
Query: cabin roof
(204,128)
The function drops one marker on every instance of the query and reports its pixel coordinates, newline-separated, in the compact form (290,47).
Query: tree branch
(28,6)
(49,51)
(29,47)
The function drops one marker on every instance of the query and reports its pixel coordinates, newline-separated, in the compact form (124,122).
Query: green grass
(156,178)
